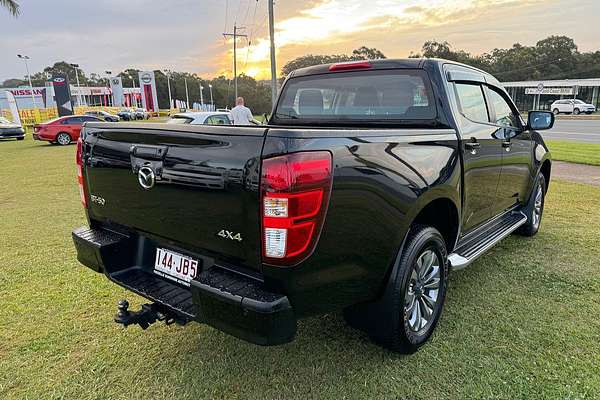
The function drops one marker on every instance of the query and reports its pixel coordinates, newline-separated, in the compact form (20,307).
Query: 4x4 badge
(230,235)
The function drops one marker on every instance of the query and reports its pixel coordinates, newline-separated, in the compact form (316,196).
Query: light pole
(201,96)
(168,74)
(76,67)
(26,59)
(187,94)
(109,74)
(211,98)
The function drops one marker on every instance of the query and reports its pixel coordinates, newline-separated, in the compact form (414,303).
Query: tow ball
(146,316)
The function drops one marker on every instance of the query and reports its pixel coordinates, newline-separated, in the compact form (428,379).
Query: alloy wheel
(63,139)
(421,296)
(537,206)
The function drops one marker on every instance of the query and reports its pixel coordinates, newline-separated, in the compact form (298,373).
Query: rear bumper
(228,301)
(11,134)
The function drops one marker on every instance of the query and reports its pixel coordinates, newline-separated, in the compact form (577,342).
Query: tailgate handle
(149,152)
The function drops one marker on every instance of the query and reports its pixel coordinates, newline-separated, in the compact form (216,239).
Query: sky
(186,35)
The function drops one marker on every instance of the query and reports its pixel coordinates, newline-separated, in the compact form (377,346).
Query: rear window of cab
(367,96)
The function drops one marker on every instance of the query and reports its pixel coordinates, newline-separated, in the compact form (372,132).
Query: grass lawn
(575,152)
(521,323)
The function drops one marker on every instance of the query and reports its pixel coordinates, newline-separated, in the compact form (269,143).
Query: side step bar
(484,238)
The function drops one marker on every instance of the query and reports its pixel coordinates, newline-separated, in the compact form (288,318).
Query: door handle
(472,146)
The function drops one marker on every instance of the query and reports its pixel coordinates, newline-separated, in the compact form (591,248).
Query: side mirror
(540,120)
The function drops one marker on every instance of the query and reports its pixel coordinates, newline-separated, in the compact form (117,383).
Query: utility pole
(26,59)
(235,36)
(76,67)
(187,94)
(273,66)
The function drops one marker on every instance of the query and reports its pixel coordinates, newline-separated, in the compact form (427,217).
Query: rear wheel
(576,111)
(555,111)
(419,291)
(20,138)
(63,139)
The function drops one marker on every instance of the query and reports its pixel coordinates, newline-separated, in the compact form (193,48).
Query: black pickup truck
(369,183)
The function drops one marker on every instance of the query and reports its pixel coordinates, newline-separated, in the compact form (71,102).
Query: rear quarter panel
(382,179)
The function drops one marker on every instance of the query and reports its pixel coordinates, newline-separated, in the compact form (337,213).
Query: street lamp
(168,74)
(133,92)
(211,97)
(109,74)
(201,96)
(187,94)
(26,59)
(76,68)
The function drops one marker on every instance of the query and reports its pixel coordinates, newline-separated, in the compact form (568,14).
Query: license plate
(175,266)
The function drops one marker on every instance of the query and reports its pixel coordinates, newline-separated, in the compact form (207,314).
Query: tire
(410,297)
(555,111)
(63,139)
(534,210)
(576,111)
(20,138)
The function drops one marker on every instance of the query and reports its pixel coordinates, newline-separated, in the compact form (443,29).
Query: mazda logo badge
(146,177)
(146,78)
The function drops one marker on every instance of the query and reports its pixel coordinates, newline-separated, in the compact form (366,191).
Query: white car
(572,106)
(201,118)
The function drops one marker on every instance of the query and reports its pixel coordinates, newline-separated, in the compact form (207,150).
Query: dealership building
(84,96)
(532,95)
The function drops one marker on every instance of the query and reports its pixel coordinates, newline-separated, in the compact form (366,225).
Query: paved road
(589,174)
(578,130)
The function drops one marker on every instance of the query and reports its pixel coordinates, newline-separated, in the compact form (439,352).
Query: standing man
(240,113)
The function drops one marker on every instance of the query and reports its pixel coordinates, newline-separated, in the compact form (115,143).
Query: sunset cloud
(340,21)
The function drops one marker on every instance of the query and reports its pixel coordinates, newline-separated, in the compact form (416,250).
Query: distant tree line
(257,94)
(556,57)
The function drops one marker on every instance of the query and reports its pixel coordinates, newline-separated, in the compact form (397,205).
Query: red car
(62,130)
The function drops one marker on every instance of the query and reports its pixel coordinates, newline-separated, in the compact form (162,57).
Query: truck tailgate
(194,187)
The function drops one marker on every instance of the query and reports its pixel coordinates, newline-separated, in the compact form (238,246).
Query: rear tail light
(294,197)
(80,181)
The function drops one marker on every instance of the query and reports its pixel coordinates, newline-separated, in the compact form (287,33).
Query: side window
(504,114)
(71,121)
(210,121)
(472,102)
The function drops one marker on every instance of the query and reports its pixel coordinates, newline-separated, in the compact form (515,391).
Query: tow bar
(149,314)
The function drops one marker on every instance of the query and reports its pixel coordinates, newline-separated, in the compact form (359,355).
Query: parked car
(62,130)
(140,113)
(371,181)
(104,116)
(201,118)
(572,106)
(127,114)
(11,130)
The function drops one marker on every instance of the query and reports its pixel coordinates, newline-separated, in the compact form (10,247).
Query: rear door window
(472,102)
(383,95)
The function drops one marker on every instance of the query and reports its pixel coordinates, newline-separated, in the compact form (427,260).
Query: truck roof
(400,63)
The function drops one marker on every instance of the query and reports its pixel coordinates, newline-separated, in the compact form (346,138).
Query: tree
(12,7)
(362,53)
(366,53)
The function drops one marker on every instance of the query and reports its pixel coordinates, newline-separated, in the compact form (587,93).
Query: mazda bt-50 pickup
(369,183)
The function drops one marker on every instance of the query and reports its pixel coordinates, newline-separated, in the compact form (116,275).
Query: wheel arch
(546,170)
(441,213)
